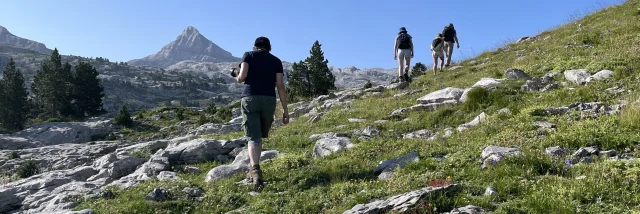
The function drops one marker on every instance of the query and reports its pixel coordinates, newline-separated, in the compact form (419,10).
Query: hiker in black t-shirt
(261,72)
(403,51)
(450,37)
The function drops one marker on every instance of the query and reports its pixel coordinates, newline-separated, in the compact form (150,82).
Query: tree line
(58,91)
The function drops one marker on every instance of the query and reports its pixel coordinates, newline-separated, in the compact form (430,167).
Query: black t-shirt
(261,76)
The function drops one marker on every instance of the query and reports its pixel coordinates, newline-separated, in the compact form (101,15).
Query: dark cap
(262,42)
(403,29)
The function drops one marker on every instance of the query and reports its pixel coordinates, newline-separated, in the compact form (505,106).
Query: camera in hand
(235,71)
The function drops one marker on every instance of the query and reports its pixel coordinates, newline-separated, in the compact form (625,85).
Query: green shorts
(257,115)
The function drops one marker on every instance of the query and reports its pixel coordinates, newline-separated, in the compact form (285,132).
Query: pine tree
(13,98)
(87,90)
(52,87)
(320,77)
(123,117)
(297,81)
(418,69)
(368,84)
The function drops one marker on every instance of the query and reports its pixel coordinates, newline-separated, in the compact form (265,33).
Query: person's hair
(262,43)
(439,35)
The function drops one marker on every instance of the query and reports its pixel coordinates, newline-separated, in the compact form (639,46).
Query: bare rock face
(190,45)
(7,38)
(56,157)
(54,133)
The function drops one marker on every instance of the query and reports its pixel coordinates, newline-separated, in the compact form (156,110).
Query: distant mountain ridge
(7,38)
(190,45)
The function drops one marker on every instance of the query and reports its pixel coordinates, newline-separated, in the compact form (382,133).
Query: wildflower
(567,161)
(609,31)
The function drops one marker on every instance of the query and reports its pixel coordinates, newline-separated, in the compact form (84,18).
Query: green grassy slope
(534,183)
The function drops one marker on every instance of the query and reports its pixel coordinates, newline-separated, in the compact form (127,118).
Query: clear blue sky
(352,32)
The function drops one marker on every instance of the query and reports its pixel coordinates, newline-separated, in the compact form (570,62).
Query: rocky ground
(545,125)
(74,166)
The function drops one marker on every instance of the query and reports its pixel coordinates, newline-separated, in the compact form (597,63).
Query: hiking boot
(401,78)
(406,75)
(256,177)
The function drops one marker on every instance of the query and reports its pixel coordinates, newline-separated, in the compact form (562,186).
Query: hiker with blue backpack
(403,51)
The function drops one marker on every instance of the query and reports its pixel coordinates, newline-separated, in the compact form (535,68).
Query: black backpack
(448,33)
(436,42)
(404,41)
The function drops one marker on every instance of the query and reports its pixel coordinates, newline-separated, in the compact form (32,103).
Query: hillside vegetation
(530,183)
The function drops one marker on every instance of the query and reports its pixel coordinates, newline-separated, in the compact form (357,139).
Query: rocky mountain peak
(189,31)
(7,38)
(189,45)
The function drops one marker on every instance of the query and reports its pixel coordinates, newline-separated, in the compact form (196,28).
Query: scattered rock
(315,118)
(192,169)
(515,74)
(407,93)
(432,106)
(486,83)
(453,68)
(601,75)
(615,90)
(447,94)
(523,39)
(327,135)
(579,76)
(491,155)
(193,192)
(239,165)
(158,194)
(472,123)
(385,169)
(168,176)
(447,133)
(327,146)
(504,111)
(421,134)
(608,153)
(397,86)
(490,191)
(370,131)
(588,110)
(375,89)
(469,209)
(100,193)
(402,202)
(543,125)
(356,120)
(380,121)
(556,151)
(586,151)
